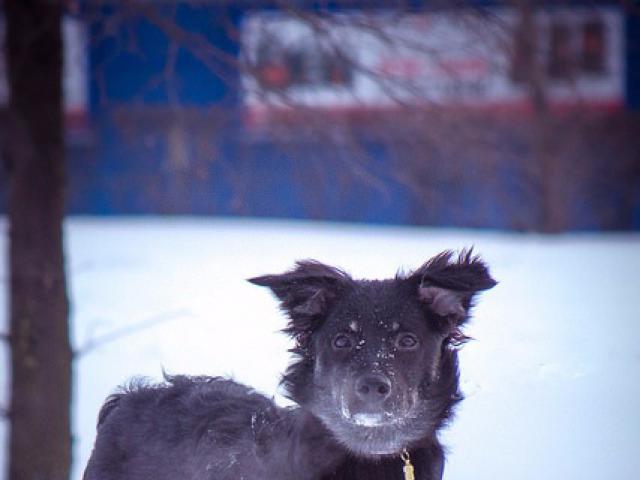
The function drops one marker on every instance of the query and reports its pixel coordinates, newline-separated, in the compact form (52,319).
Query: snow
(551,379)
(369,420)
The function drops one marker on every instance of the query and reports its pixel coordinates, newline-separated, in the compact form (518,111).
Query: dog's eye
(406,341)
(342,341)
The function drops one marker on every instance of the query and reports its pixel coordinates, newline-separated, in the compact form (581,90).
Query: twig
(120,333)
(215,59)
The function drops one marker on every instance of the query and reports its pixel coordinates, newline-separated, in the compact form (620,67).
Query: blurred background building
(486,114)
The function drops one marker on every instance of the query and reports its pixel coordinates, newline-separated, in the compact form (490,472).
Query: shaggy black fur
(375,371)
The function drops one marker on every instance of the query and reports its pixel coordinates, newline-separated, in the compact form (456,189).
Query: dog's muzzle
(372,390)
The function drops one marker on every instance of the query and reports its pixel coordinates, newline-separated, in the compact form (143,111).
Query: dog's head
(375,359)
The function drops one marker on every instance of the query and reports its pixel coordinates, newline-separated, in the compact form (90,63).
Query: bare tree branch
(197,44)
(120,333)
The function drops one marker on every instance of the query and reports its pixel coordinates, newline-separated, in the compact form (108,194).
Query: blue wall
(126,170)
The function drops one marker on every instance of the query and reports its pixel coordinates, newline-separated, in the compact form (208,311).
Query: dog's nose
(374,388)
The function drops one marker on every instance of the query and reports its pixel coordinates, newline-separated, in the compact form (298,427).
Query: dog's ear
(447,285)
(306,292)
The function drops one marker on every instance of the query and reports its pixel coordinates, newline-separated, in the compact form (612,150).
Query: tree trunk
(545,169)
(40,438)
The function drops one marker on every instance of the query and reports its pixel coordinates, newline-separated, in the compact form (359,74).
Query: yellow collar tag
(409,473)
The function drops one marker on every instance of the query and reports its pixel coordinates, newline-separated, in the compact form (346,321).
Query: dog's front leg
(298,447)
(429,462)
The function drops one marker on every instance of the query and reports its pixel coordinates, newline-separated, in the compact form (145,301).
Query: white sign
(350,60)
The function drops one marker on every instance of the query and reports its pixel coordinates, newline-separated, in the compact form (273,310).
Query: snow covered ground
(552,380)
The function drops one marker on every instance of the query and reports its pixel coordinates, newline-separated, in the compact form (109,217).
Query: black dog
(375,376)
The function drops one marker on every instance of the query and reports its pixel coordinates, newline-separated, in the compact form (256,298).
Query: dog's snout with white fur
(372,389)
